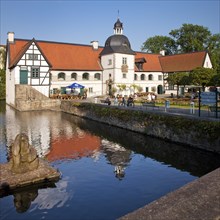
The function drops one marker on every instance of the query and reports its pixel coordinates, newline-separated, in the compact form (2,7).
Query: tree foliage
(158,43)
(201,76)
(181,78)
(2,84)
(187,38)
(191,38)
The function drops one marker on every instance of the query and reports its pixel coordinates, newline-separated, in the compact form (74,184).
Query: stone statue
(24,157)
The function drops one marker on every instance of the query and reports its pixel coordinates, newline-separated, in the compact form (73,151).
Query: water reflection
(118,156)
(92,158)
(24,197)
(58,136)
(54,197)
(196,162)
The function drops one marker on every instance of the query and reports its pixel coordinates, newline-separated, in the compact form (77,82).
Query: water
(107,172)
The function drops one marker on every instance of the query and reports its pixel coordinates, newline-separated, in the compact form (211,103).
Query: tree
(215,80)
(181,78)
(214,50)
(2,56)
(134,86)
(191,38)
(157,43)
(121,87)
(2,84)
(201,76)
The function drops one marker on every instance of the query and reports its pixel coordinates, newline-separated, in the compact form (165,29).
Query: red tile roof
(64,56)
(74,147)
(182,62)
(152,62)
(61,56)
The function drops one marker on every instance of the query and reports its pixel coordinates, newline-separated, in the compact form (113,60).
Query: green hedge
(176,123)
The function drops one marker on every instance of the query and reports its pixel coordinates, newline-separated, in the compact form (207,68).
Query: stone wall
(28,99)
(31,105)
(26,92)
(196,132)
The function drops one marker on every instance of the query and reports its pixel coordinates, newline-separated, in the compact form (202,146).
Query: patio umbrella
(75,86)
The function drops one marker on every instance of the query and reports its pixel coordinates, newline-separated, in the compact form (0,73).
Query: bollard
(192,108)
(167,105)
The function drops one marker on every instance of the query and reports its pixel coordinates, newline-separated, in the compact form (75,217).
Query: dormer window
(139,62)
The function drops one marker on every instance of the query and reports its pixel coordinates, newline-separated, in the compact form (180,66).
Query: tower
(117,59)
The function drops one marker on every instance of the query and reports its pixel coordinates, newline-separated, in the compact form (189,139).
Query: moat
(106,171)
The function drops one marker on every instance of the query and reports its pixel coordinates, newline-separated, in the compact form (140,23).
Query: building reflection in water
(55,137)
(59,136)
(118,156)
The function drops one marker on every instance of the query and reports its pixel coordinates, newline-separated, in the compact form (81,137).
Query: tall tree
(190,38)
(214,51)
(157,43)
(201,76)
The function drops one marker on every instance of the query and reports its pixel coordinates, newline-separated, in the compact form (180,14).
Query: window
(61,76)
(135,77)
(150,77)
(124,76)
(74,76)
(110,62)
(160,77)
(97,76)
(124,60)
(85,76)
(90,90)
(142,77)
(171,87)
(35,72)
(32,56)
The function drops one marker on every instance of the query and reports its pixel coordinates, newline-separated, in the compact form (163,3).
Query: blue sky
(83,21)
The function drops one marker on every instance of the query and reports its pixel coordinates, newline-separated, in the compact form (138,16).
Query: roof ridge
(147,53)
(188,53)
(56,42)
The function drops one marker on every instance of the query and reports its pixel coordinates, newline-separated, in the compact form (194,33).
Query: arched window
(135,76)
(85,76)
(142,77)
(150,77)
(97,76)
(74,76)
(61,76)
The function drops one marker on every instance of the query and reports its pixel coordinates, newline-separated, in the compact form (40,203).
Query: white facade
(207,62)
(116,67)
(32,69)
(92,80)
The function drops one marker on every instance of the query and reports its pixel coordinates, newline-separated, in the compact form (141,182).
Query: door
(160,89)
(23,77)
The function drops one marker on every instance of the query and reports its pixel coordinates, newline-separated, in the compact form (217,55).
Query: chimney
(11,36)
(95,45)
(162,52)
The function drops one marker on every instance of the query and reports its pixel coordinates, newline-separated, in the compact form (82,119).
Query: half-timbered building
(49,67)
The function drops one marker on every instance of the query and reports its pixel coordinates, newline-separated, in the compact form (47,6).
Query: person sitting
(130,101)
(108,101)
